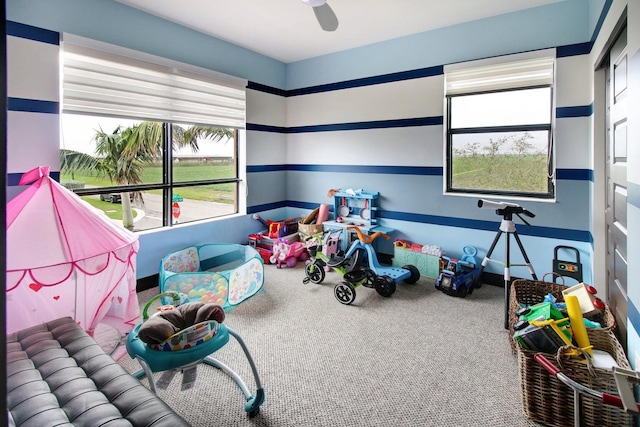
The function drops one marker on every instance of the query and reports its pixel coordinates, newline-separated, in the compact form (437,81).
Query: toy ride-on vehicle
(458,276)
(359,266)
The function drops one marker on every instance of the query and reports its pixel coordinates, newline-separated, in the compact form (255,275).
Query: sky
(78,132)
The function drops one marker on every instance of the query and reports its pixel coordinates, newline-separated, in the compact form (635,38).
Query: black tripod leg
(524,255)
(507,278)
(485,261)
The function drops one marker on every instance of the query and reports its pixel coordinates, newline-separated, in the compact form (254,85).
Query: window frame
(168,185)
(450,132)
(224,98)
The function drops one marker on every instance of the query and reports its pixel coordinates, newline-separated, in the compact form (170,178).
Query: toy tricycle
(359,266)
(458,276)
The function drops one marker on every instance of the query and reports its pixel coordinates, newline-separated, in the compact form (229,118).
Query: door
(616,188)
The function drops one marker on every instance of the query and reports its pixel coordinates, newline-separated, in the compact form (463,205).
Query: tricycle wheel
(292,262)
(345,293)
(315,272)
(385,286)
(369,278)
(415,274)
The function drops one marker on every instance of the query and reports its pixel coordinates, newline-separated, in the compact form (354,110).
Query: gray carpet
(417,358)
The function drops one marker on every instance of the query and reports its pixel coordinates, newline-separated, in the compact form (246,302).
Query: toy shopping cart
(624,379)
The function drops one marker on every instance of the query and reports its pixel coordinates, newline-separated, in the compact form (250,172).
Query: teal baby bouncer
(240,269)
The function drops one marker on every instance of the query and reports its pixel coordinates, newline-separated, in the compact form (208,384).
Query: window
(150,142)
(499,129)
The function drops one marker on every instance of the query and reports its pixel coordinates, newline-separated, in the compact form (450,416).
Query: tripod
(507,227)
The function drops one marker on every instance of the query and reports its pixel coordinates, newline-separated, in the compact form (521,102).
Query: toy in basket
(526,292)
(224,274)
(550,402)
(159,348)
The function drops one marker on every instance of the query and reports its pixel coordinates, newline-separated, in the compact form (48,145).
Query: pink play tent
(66,258)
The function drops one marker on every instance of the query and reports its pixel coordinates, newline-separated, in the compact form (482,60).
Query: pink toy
(288,253)
(66,258)
(330,246)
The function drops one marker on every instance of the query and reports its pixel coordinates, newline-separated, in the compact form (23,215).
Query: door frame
(601,64)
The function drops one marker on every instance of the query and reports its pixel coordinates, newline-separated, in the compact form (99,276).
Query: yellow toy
(577,323)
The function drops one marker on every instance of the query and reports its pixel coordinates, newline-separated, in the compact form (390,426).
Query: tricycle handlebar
(366,238)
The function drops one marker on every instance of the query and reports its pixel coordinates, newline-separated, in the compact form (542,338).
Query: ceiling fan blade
(326,18)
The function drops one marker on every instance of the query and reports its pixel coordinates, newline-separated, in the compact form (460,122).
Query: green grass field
(112,210)
(503,173)
(223,193)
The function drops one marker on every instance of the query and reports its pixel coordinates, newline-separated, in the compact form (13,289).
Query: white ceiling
(287,30)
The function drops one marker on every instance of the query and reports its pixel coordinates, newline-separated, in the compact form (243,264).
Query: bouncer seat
(186,349)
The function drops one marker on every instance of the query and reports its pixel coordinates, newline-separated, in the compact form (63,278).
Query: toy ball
(193,293)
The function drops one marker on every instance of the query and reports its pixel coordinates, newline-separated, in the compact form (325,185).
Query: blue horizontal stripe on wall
(378,124)
(368,81)
(266,89)
(566,174)
(33,105)
(556,233)
(265,128)
(575,111)
(574,49)
(24,31)
(268,207)
(575,174)
(348,84)
(266,168)
(535,231)
(389,170)
(13,179)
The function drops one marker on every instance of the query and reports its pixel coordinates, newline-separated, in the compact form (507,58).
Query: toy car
(458,276)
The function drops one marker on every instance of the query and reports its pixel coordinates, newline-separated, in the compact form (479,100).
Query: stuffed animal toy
(164,324)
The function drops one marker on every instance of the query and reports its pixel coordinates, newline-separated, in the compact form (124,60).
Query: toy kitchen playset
(355,207)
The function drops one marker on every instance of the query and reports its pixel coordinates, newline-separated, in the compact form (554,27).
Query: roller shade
(506,75)
(99,82)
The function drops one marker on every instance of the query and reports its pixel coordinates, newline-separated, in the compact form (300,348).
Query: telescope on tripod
(507,227)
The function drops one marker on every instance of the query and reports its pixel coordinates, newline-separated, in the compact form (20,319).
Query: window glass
(514,162)
(118,166)
(499,143)
(203,152)
(520,107)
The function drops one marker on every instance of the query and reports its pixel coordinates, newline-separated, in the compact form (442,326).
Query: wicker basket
(549,402)
(530,292)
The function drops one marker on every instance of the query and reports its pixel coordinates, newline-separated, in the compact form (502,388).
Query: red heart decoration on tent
(35,287)
(120,300)
(57,297)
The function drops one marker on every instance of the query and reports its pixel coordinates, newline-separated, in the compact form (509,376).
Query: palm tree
(123,154)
